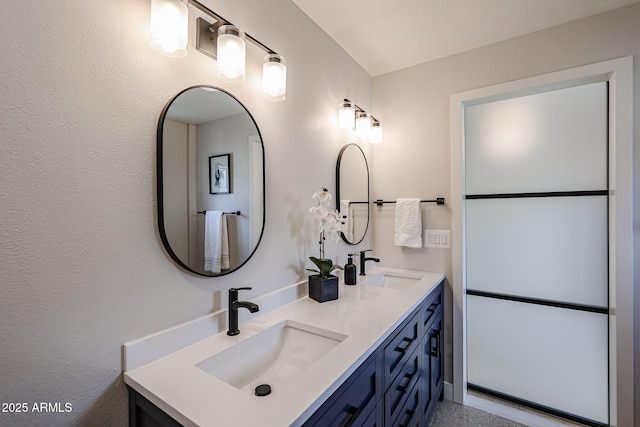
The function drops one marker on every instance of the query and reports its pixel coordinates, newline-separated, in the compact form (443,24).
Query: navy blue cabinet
(412,370)
(355,403)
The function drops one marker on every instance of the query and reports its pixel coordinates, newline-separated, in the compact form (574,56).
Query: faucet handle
(363,252)
(246,288)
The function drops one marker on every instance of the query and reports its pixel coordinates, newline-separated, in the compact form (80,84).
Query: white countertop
(365,314)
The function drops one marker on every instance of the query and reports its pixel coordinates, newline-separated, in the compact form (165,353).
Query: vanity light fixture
(363,124)
(347,115)
(220,40)
(352,117)
(169,27)
(232,51)
(375,137)
(274,76)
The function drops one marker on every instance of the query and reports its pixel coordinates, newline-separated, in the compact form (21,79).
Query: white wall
(82,267)
(414,105)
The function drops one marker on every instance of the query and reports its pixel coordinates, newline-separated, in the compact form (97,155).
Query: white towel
(216,242)
(408,223)
(346,214)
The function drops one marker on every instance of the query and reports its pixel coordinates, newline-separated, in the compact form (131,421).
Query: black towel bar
(439,201)
(226,213)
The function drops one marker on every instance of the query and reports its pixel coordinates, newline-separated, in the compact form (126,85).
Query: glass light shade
(347,115)
(231,53)
(375,137)
(363,124)
(169,27)
(274,77)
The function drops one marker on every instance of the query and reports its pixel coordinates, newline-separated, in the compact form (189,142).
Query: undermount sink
(392,280)
(273,356)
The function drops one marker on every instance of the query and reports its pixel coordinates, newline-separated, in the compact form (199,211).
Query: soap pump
(350,271)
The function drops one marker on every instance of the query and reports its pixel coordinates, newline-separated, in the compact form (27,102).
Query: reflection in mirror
(352,192)
(210,181)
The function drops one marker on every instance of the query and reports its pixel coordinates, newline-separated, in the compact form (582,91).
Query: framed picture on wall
(220,174)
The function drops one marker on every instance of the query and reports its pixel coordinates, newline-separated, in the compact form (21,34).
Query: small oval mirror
(210,160)
(352,192)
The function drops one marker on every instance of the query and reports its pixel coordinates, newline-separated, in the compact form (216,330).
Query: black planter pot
(323,290)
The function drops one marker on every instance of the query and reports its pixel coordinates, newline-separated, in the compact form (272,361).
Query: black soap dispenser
(350,271)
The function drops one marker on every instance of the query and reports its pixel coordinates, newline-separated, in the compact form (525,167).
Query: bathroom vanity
(371,358)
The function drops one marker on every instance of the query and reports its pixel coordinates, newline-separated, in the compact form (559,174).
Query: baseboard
(513,413)
(448,391)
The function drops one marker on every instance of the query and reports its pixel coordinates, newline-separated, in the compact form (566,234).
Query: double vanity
(372,357)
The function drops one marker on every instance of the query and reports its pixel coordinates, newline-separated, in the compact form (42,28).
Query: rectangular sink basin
(392,280)
(273,356)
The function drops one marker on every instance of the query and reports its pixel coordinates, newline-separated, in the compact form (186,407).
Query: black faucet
(363,259)
(234,305)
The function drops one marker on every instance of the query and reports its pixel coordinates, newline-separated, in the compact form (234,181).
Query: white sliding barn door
(536,239)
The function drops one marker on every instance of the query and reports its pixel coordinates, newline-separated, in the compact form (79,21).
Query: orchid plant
(329,226)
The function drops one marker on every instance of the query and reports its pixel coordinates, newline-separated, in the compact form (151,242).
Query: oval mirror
(211,197)
(352,192)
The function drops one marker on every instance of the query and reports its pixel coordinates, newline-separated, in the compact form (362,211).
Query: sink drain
(263,390)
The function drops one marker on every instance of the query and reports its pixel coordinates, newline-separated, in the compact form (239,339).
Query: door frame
(619,74)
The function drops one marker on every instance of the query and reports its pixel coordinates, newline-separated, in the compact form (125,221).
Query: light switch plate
(437,239)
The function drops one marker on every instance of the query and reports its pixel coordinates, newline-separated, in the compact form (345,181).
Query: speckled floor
(450,414)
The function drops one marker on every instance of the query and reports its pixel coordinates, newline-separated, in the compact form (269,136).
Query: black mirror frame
(344,238)
(160,188)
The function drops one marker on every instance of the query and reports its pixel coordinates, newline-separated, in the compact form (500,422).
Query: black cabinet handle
(353,413)
(436,335)
(408,378)
(405,344)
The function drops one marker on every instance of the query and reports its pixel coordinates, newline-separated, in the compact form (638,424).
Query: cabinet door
(143,413)
(355,400)
(433,366)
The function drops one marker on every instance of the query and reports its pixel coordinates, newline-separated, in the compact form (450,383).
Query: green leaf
(325,266)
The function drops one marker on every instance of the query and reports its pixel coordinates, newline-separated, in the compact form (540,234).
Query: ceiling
(389,35)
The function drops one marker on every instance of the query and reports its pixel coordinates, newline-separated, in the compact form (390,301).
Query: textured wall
(415,106)
(82,268)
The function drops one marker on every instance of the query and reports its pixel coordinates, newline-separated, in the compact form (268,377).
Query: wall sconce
(347,115)
(274,76)
(221,40)
(231,51)
(352,117)
(375,137)
(169,27)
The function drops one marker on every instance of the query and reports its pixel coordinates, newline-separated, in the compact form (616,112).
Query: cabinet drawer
(398,350)
(409,415)
(399,390)
(353,402)
(430,307)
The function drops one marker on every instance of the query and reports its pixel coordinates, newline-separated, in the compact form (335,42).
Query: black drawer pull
(432,308)
(436,335)
(353,413)
(405,344)
(408,378)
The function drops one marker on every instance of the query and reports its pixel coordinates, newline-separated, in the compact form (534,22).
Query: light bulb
(274,77)
(363,124)
(346,115)
(375,137)
(231,53)
(169,27)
